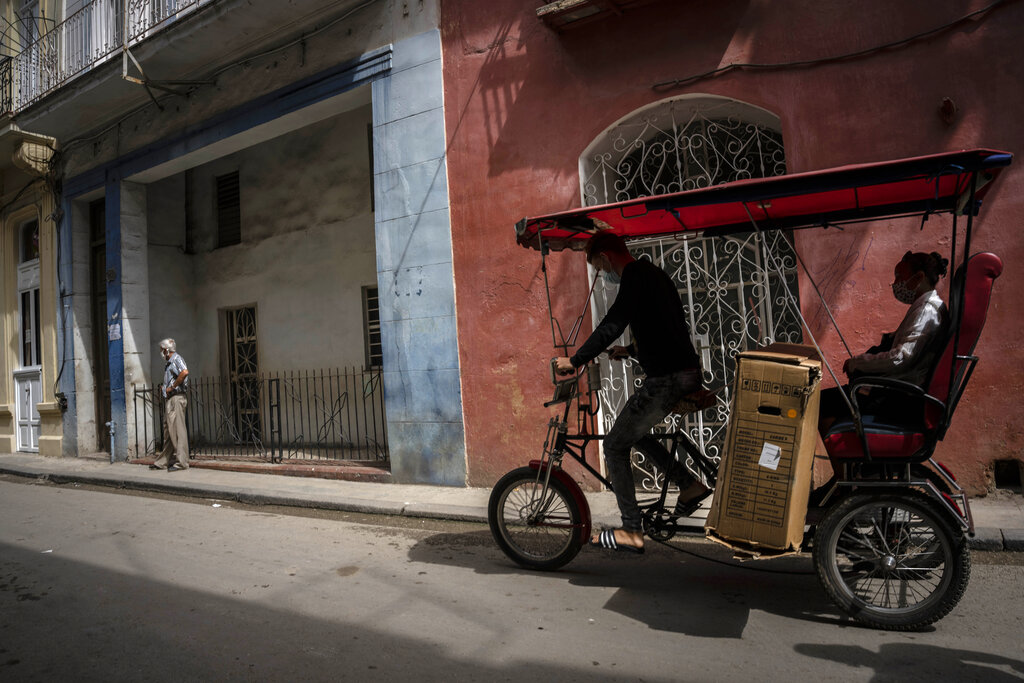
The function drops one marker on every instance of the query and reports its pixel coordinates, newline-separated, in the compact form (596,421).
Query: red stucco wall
(522,102)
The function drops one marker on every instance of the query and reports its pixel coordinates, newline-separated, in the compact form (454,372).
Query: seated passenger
(907,354)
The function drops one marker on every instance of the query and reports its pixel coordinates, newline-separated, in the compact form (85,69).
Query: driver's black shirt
(649,304)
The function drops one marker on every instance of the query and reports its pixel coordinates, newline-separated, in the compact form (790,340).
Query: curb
(249,497)
(984,539)
(341,472)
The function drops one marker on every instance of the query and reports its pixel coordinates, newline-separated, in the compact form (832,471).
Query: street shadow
(61,619)
(688,586)
(894,661)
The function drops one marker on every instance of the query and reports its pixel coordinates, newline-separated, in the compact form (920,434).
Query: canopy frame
(972,172)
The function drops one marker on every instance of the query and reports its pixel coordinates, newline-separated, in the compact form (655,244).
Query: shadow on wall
(535,85)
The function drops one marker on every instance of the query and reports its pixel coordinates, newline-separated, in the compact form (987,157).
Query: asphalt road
(101,585)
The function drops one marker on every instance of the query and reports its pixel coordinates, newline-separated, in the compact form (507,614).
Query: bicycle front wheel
(537,528)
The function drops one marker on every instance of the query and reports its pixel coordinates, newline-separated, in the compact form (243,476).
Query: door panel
(28,384)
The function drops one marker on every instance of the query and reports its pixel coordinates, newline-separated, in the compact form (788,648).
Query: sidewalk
(999,520)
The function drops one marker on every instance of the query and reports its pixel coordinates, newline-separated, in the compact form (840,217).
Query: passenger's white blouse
(910,340)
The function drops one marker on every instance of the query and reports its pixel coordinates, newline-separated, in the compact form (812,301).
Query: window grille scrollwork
(735,289)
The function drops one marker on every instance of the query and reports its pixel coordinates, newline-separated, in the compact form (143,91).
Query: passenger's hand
(564,366)
(618,353)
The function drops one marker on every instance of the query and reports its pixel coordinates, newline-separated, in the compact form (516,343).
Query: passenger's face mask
(611,277)
(903,292)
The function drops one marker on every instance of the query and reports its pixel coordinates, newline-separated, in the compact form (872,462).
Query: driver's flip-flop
(606,540)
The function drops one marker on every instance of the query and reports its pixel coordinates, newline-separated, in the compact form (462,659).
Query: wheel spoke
(889,560)
(535,522)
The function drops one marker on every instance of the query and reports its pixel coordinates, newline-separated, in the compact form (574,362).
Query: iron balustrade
(335,415)
(147,16)
(93,35)
(6,94)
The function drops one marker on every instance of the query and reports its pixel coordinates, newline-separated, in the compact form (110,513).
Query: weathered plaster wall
(307,250)
(423,395)
(378,24)
(82,433)
(135,327)
(522,102)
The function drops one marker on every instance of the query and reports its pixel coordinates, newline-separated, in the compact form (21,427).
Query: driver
(648,303)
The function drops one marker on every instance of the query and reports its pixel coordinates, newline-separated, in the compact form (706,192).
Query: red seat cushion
(846,445)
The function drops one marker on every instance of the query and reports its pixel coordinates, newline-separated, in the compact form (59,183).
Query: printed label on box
(770,456)
(759,481)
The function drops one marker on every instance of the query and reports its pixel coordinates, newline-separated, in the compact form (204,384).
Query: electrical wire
(214,74)
(679,82)
(296,41)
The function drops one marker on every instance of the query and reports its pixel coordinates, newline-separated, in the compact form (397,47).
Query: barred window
(229,210)
(732,294)
(371,327)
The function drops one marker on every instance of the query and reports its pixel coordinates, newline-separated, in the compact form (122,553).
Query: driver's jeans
(646,408)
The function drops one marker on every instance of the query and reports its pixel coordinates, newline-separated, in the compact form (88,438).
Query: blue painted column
(115,342)
(65,330)
(422,387)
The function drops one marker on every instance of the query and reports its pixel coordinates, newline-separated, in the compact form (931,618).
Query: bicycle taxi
(888,532)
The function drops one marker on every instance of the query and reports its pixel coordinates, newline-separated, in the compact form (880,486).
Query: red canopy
(930,184)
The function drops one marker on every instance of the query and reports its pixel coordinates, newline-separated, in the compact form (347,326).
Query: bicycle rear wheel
(537,529)
(891,561)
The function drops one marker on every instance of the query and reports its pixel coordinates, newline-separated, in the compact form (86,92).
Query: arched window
(731,303)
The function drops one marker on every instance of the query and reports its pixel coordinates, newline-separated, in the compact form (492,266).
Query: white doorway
(28,384)
(28,377)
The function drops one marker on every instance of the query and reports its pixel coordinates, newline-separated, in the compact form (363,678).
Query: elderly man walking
(174,391)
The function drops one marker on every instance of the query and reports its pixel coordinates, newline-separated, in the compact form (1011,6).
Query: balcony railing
(6,103)
(90,36)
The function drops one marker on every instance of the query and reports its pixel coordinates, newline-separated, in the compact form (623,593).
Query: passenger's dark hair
(605,242)
(932,265)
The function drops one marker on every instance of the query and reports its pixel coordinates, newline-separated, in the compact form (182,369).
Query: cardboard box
(766,472)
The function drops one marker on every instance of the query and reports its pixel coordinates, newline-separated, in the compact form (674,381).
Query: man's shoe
(685,508)
(156,467)
(176,468)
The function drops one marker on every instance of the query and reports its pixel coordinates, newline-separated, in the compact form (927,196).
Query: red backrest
(967,312)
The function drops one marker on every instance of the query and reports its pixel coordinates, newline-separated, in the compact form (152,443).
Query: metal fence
(303,415)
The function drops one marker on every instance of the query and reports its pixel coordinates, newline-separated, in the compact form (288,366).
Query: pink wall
(522,102)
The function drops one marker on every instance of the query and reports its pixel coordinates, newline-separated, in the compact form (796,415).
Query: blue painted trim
(263,109)
(65,332)
(115,347)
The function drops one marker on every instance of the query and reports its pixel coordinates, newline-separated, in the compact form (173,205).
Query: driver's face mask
(605,266)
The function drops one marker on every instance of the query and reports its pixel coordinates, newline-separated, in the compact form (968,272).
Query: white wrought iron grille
(683,145)
(734,289)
